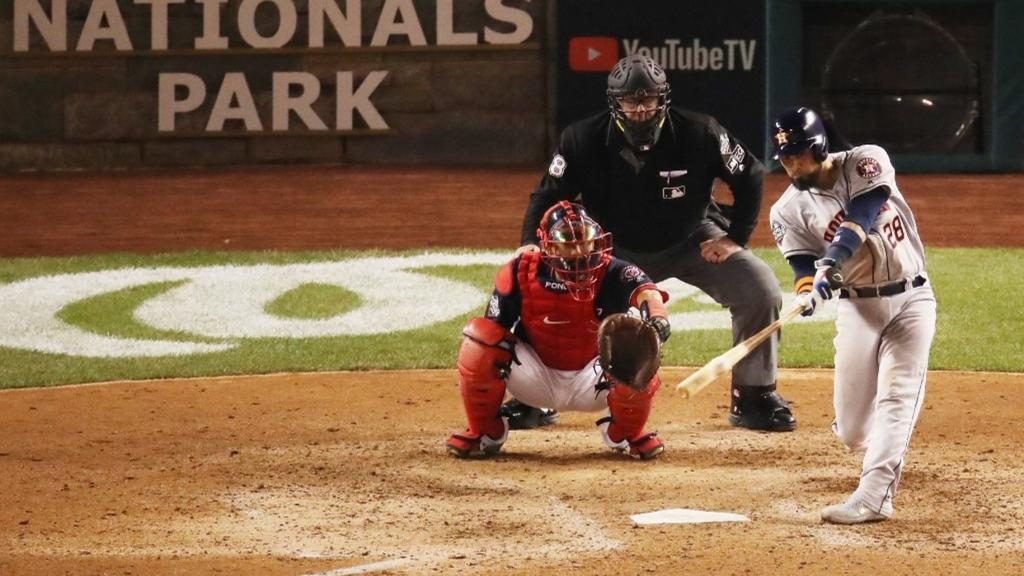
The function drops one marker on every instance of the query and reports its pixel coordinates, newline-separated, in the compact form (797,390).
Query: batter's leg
(902,377)
(859,323)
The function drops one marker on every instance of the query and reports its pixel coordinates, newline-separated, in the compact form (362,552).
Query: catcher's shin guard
(623,429)
(485,357)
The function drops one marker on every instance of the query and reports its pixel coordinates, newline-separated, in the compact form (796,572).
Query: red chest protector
(561,330)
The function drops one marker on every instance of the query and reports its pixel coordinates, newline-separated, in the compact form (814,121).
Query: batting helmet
(798,129)
(575,247)
(638,77)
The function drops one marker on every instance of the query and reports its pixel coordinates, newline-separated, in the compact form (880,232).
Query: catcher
(556,334)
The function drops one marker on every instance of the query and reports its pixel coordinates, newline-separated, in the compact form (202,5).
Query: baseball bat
(724,362)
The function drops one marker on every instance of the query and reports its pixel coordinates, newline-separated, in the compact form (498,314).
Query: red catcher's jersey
(562,330)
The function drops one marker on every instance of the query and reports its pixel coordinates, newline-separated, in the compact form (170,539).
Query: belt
(890,289)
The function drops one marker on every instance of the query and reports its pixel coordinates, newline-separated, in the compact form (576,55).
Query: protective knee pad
(485,357)
(629,409)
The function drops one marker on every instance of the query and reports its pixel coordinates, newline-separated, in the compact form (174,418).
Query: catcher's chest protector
(562,330)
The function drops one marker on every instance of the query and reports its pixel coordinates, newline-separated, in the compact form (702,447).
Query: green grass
(980,294)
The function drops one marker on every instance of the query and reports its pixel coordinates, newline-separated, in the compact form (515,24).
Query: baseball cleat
(525,417)
(646,447)
(470,445)
(853,511)
(760,408)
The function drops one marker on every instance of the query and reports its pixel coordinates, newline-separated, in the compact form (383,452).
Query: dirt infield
(309,474)
(344,473)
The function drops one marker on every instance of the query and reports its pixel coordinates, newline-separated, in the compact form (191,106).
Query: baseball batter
(846,231)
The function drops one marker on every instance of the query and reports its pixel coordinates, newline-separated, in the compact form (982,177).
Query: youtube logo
(593,53)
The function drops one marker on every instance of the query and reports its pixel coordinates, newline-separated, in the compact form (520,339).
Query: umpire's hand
(719,249)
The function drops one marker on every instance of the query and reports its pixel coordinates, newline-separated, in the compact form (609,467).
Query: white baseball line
(365,568)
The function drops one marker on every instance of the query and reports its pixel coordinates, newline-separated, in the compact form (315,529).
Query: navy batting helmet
(798,129)
(633,79)
(575,247)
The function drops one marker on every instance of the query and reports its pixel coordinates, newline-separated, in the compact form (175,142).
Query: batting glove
(827,278)
(809,301)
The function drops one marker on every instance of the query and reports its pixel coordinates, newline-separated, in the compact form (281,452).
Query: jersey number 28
(894,231)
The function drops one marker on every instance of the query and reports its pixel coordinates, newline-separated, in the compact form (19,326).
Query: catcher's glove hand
(629,350)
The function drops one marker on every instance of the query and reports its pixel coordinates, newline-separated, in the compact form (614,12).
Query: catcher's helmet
(798,129)
(575,247)
(639,77)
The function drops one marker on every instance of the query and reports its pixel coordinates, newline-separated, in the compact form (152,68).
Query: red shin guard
(484,359)
(629,410)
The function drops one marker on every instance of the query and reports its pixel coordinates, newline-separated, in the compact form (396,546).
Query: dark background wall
(491,82)
(443,104)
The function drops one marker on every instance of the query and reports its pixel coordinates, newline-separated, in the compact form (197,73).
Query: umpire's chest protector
(649,201)
(562,330)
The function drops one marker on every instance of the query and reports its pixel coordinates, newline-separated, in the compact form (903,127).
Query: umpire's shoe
(760,408)
(524,417)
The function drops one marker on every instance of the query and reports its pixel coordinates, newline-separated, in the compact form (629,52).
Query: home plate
(686,516)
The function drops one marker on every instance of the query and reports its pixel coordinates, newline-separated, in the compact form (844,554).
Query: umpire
(646,171)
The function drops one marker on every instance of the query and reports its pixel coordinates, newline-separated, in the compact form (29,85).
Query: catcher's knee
(485,356)
(487,350)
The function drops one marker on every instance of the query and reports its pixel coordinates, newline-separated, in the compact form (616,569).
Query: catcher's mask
(638,96)
(575,247)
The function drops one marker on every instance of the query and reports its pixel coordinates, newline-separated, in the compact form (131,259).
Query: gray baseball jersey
(882,340)
(805,222)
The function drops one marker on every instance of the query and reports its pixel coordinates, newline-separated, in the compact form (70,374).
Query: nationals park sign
(294,93)
(221,306)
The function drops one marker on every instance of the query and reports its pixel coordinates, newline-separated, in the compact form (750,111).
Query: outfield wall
(125,84)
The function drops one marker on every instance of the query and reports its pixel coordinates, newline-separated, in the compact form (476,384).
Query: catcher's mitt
(629,350)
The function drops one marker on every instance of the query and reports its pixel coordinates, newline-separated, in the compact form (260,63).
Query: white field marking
(229,303)
(28,318)
(722,319)
(374,567)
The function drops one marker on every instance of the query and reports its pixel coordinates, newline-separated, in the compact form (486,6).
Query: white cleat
(855,512)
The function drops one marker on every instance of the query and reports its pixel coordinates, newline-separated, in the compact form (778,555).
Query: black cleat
(760,408)
(525,417)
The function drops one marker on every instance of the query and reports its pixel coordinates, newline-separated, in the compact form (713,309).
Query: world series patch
(868,168)
(778,231)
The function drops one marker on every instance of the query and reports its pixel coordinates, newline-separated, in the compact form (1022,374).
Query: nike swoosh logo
(553,322)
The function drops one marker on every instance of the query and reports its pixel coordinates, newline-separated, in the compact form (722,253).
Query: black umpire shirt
(650,201)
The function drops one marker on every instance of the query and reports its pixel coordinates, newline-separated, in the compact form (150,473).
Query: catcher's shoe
(470,445)
(525,417)
(646,446)
(760,408)
(853,511)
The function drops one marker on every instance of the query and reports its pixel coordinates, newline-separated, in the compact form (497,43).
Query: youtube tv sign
(593,53)
(715,61)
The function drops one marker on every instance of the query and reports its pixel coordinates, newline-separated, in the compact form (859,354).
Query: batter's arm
(860,215)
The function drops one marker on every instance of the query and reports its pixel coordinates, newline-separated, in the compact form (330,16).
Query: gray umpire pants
(744,284)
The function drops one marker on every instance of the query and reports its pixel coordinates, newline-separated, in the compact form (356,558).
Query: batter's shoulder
(866,165)
(787,203)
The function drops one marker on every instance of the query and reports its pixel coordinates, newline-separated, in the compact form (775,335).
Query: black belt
(890,289)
